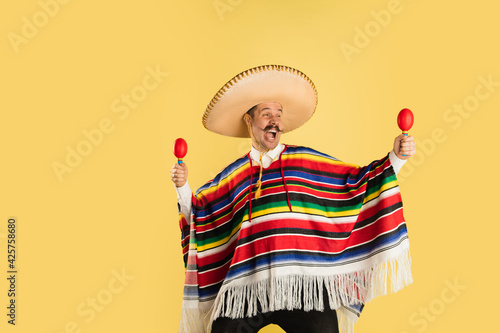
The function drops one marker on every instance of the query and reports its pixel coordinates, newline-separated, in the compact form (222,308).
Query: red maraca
(180,149)
(405,120)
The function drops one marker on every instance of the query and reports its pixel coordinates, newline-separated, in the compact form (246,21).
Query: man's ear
(247,119)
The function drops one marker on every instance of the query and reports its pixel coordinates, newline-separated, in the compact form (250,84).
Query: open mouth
(271,134)
(271,131)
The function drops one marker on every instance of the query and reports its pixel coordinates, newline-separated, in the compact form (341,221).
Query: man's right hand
(179,174)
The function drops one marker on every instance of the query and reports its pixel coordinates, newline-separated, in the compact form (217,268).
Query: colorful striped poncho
(319,226)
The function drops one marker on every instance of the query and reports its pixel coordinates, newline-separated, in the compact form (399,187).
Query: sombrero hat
(270,83)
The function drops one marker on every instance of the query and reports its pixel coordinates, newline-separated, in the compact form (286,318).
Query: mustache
(270,127)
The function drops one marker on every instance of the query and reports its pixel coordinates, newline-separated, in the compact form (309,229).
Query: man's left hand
(404,147)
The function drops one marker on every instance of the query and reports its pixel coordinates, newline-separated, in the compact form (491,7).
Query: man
(287,235)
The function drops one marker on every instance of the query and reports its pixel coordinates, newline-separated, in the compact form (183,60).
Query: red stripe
(275,243)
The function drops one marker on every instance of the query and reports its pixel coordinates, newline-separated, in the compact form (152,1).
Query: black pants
(296,321)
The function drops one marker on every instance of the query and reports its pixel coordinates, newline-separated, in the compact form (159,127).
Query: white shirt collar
(267,157)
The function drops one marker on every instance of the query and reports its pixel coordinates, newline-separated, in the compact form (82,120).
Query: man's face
(266,125)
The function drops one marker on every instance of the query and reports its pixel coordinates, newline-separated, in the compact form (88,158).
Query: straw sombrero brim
(271,83)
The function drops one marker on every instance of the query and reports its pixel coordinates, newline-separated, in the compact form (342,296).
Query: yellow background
(116,213)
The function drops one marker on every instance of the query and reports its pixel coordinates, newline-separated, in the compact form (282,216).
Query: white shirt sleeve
(184,195)
(396,162)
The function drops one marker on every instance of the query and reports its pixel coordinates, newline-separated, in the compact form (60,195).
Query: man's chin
(271,145)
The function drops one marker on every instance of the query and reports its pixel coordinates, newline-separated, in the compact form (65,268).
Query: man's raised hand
(178,174)
(404,147)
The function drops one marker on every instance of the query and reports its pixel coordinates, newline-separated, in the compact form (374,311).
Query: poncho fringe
(295,286)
